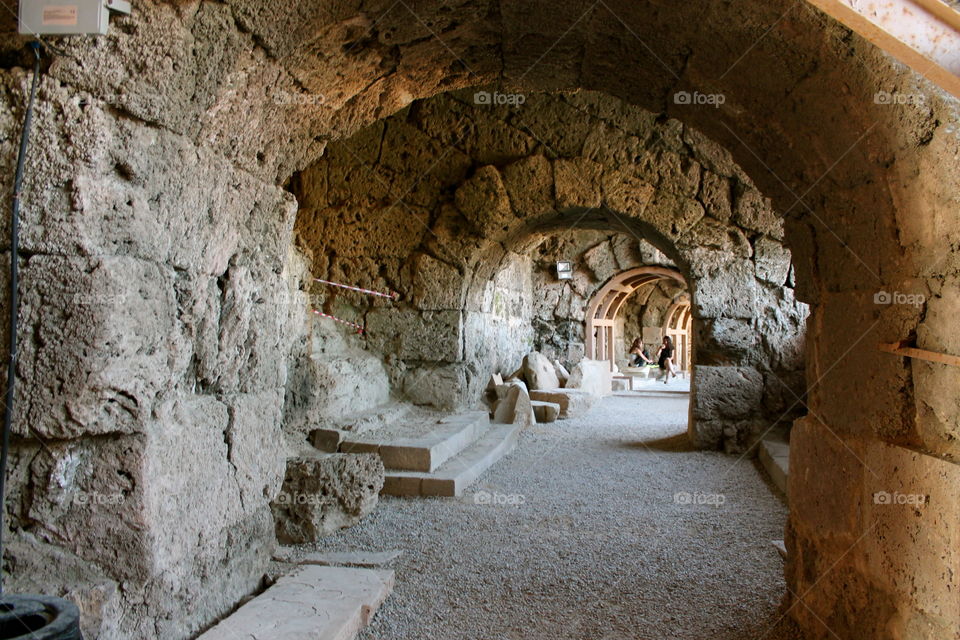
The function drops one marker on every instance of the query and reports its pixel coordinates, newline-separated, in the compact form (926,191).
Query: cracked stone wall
(161,154)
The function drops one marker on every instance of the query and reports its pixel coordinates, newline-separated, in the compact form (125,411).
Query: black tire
(38,618)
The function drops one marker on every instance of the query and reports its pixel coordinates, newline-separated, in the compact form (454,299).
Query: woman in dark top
(639,351)
(665,359)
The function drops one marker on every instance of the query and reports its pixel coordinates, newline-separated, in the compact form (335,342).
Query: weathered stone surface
(363,559)
(577,183)
(444,387)
(726,392)
(332,378)
(327,440)
(545,411)
(312,602)
(539,372)
(437,285)
(773,261)
(593,376)
(513,405)
(324,493)
(435,336)
(573,402)
(529,182)
(601,261)
(483,200)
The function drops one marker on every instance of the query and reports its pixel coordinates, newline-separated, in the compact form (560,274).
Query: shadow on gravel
(679,443)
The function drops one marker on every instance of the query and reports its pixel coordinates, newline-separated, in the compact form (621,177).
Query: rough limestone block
(490,396)
(545,411)
(324,493)
(727,392)
(593,376)
(327,440)
(573,402)
(539,372)
(621,384)
(514,405)
(483,200)
(562,373)
(431,335)
(772,260)
(312,603)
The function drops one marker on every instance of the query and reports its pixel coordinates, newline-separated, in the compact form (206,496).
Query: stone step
(774,455)
(311,603)
(425,452)
(459,473)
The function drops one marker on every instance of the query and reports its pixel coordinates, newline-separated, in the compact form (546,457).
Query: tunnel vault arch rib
(254,90)
(605,305)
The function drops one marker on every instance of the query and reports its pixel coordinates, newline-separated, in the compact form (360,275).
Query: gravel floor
(590,530)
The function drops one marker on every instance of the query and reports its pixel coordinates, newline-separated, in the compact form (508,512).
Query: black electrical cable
(14,282)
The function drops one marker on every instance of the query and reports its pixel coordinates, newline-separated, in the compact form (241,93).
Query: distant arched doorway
(605,305)
(678,324)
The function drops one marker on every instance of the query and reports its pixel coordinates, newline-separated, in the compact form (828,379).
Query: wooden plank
(930,55)
(901,348)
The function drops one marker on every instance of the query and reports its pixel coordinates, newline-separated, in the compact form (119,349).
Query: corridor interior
(301,278)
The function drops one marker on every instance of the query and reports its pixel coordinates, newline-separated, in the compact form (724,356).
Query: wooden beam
(902,348)
(922,34)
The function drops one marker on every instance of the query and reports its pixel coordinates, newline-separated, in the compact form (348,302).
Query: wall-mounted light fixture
(564,271)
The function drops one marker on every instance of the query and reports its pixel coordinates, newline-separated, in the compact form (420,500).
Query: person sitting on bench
(665,359)
(639,353)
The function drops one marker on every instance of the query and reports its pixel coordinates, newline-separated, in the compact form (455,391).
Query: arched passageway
(678,325)
(476,219)
(606,304)
(177,400)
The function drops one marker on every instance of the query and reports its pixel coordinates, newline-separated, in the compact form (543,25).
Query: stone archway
(471,218)
(678,324)
(183,98)
(606,304)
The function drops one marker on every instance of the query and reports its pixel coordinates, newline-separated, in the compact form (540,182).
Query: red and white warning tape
(356,326)
(392,295)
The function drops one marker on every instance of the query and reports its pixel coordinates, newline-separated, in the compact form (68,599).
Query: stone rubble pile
(543,391)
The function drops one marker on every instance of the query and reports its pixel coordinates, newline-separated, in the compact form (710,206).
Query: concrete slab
(311,603)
